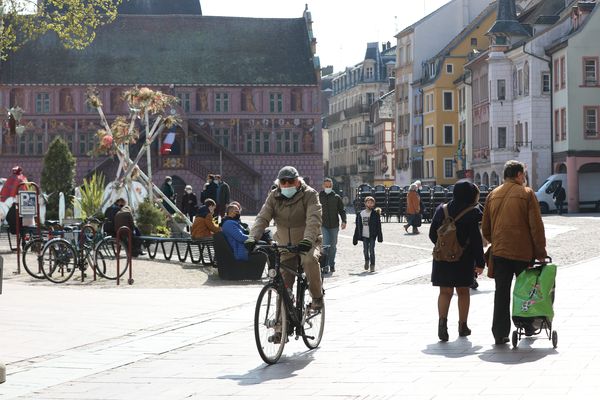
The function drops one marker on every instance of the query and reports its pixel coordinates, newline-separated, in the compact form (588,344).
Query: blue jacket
(234,233)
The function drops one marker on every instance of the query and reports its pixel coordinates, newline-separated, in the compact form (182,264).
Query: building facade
(576,99)
(248,107)
(350,129)
(382,118)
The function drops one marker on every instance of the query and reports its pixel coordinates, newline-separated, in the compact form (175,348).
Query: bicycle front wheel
(105,258)
(31,258)
(58,260)
(270,324)
(313,322)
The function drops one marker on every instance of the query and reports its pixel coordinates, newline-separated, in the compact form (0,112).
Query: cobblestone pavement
(570,240)
(380,342)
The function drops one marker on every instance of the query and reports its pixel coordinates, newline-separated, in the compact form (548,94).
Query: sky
(342,27)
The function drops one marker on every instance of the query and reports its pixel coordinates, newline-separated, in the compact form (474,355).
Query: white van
(589,191)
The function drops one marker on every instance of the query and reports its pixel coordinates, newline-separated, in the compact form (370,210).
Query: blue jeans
(369,247)
(330,237)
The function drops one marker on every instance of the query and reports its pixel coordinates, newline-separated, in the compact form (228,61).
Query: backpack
(447,248)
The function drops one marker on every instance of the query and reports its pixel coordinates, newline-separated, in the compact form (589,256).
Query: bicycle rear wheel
(105,258)
(59,260)
(31,258)
(313,322)
(270,324)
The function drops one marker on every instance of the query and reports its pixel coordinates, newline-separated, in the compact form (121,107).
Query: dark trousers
(559,206)
(369,249)
(504,270)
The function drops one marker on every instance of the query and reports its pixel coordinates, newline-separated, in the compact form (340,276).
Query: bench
(199,251)
(232,269)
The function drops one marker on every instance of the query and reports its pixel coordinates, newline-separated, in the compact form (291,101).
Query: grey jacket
(332,207)
(296,218)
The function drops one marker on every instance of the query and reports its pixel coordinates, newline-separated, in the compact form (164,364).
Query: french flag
(165,149)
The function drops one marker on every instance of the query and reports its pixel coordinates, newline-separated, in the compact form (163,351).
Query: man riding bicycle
(295,208)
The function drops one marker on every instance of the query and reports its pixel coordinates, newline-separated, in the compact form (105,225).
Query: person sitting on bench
(234,233)
(204,225)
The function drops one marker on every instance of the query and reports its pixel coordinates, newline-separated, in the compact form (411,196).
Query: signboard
(27,204)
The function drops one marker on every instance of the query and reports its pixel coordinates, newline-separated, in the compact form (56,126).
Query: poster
(27,204)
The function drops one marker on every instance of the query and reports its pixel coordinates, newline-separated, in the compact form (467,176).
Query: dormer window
(500,40)
(369,72)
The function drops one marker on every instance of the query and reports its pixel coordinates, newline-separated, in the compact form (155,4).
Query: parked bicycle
(279,313)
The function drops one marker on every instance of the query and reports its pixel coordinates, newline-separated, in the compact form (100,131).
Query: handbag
(488,255)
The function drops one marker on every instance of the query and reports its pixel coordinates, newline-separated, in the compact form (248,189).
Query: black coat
(374,227)
(209,192)
(459,273)
(189,203)
(331,207)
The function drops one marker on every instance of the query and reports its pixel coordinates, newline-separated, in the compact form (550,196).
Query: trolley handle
(539,264)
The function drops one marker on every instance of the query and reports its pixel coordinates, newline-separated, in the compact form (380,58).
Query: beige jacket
(299,216)
(516,231)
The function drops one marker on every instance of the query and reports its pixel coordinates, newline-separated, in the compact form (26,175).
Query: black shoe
(463,329)
(325,270)
(366,265)
(475,284)
(443,329)
(502,340)
(332,269)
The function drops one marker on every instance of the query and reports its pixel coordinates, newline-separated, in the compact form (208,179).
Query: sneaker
(317,303)
(502,340)
(372,267)
(332,269)
(366,265)
(325,270)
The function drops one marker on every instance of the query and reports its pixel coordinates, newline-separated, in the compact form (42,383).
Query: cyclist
(295,208)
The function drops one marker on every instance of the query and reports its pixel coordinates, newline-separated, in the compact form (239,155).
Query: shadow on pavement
(455,349)
(524,353)
(285,368)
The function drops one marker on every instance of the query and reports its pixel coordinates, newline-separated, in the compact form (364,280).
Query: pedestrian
(210,189)
(167,189)
(458,275)
(559,197)
(124,217)
(204,225)
(512,223)
(109,216)
(189,203)
(333,211)
(223,193)
(413,209)
(367,230)
(295,208)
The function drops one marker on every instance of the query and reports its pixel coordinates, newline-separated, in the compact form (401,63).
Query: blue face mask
(328,190)
(289,192)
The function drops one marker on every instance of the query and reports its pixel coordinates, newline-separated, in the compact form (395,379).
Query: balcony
(365,169)
(360,140)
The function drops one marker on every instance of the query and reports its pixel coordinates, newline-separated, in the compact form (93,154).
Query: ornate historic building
(248,89)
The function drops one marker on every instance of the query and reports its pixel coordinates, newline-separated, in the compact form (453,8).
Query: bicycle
(278,314)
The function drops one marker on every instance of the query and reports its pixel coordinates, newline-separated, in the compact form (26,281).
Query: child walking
(368,229)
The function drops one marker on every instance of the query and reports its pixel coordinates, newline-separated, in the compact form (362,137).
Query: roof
(563,41)
(154,7)
(506,21)
(173,49)
(411,27)
(545,11)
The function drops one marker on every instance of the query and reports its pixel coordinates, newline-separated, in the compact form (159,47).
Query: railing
(364,139)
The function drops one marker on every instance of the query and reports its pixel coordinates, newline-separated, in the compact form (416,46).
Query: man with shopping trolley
(295,208)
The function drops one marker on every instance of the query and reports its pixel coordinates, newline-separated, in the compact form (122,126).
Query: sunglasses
(287,180)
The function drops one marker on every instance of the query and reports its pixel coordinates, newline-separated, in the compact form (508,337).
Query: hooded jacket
(234,233)
(204,225)
(512,222)
(296,218)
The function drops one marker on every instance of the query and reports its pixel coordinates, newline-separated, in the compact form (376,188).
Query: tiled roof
(173,49)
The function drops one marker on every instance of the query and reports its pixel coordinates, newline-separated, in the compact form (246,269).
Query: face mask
(217,182)
(328,190)
(169,182)
(289,192)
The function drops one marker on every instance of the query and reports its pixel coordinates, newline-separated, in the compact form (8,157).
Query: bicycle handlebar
(274,246)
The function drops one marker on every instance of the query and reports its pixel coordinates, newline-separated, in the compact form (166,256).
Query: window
(520,82)
(448,168)
(296,143)
(473,42)
(222,137)
(556,125)
(429,136)
(429,106)
(448,134)
(184,101)
(429,172)
(563,124)
(591,121)
(448,101)
(562,73)
(370,98)
(86,143)
(276,102)
(556,75)
(257,142)
(266,143)
(515,83)
(502,137)
(42,103)
(449,68)
(221,102)
(526,79)
(501,89)
(249,142)
(287,137)
(545,82)
(590,71)
(369,73)
(279,142)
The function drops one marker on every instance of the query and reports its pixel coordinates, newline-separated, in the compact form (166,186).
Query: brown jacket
(299,216)
(516,231)
(204,227)
(413,202)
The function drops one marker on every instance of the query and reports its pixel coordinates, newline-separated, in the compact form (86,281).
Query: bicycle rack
(82,242)
(124,230)
(36,219)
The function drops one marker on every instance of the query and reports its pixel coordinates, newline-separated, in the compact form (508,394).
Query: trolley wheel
(130,281)
(515,339)
(554,339)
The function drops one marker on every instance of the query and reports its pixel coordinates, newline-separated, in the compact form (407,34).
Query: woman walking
(451,275)
(413,209)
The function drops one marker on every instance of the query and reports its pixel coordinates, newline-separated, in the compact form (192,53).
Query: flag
(165,149)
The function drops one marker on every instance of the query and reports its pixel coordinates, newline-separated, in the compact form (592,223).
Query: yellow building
(441,100)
